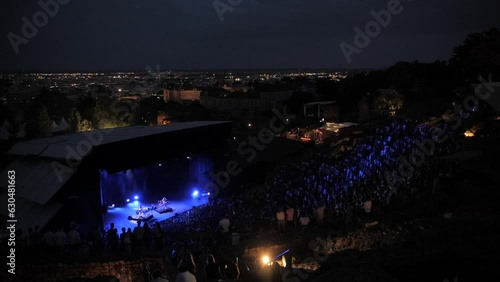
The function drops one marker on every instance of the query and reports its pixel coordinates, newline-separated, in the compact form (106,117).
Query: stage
(120,215)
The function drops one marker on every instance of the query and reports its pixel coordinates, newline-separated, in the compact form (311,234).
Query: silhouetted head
(210,259)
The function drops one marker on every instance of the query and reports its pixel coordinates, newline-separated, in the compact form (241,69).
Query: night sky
(189,34)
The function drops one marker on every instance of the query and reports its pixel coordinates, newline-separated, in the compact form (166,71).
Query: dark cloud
(132,34)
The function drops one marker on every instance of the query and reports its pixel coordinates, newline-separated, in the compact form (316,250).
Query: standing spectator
(280,216)
(3,236)
(112,235)
(157,277)
(304,220)
(187,268)
(138,237)
(235,238)
(126,238)
(224,224)
(97,241)
(60,239)
(158,236)
(49,239)
(212,270)
(367,206)
(36,237)
(232,270)
(147,236)
(290,216)
(27,238)
(74,240)
(320,214)
(21,238)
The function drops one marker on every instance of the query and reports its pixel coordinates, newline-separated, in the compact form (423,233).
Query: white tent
(63,126)
(4,130)
(4,134)
(6,125)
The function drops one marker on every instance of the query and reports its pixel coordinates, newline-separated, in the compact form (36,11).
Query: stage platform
(164,209)
(123,216)
(141,218)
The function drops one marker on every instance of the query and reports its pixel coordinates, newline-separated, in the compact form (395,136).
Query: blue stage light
(136,197)
(128,200)
(195,193)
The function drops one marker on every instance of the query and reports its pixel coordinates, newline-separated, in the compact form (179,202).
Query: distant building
(178,95)
(235,103)
(323,110)
(262,101)
(234,88)
(276,96)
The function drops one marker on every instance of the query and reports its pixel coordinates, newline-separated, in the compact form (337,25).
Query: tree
(39,124)
(55,102)
(110,113)
(86,106)
(84,126)
(478,55)
(388,102)
(74,119)
(364,110)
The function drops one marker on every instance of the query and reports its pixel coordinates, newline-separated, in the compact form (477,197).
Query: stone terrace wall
(125,271)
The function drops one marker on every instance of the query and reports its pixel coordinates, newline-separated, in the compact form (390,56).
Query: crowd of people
(322,185)
(344,183)
(303,192)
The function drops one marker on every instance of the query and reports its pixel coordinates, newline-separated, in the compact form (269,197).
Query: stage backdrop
(175,179)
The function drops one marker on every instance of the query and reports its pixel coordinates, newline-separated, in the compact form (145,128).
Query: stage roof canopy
(57,147)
